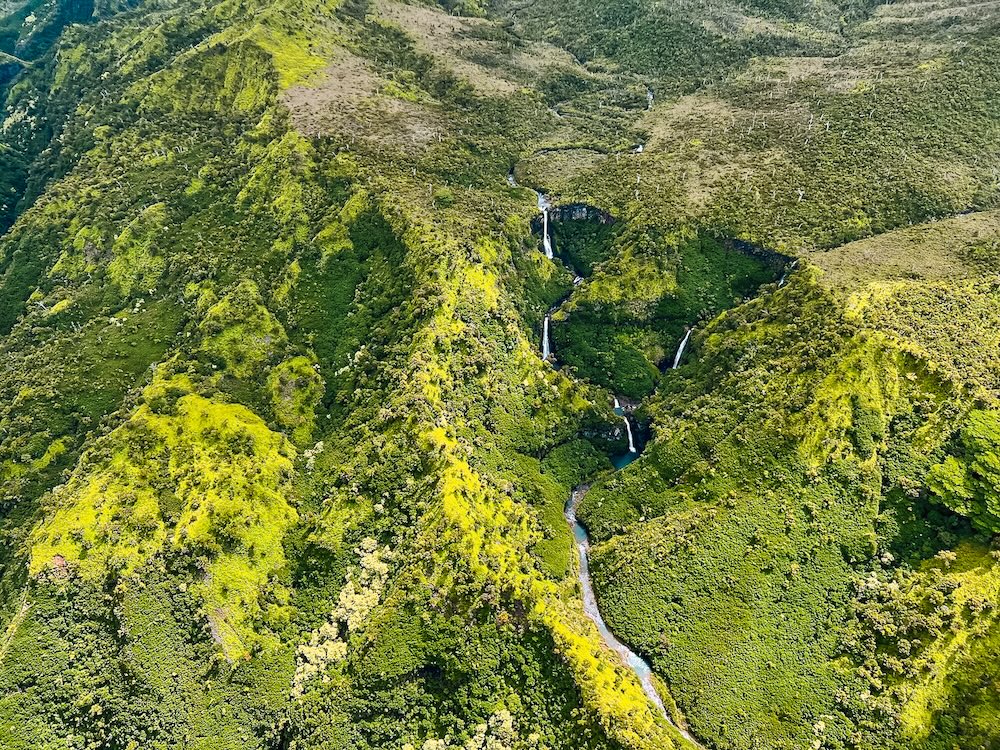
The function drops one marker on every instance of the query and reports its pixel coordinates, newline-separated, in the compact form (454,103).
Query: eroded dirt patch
(349,99)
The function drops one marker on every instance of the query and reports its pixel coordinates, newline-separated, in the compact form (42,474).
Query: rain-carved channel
(632,660)
(639,666)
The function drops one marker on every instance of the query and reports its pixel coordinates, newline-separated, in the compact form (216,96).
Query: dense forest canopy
(297,415)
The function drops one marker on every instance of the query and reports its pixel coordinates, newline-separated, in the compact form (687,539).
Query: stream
(632,660)
(639,666)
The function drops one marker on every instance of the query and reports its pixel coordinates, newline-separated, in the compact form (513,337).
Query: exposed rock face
(573,212)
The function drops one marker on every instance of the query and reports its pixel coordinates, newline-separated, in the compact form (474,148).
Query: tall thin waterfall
(543,206)
(784,276)
(649,98)
(546,241)
(546,352)
(628,430)
(680,350)
(628,425)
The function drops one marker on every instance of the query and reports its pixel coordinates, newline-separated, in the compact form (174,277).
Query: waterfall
(788,270)
(628,425)
(543,206)
(545,339)
(680,350)
(649,98)
(511,179)
(546,242)
(628,430)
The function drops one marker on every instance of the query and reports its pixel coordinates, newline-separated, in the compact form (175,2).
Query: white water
(628,429)
(680,350)
(649,98)
(628,425)
(544,206)
(631,659)
(634,662)
(546,242)
(784,276)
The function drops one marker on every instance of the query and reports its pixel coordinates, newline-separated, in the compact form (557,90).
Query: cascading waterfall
(546,242)
(680,350)
(628,430)
(543,206)
(628,425)
(632,660)
(784,276)
(649,98)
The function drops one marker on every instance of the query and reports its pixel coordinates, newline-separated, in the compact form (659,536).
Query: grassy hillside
(281,464)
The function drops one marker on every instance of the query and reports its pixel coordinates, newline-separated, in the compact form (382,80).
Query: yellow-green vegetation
(241,332)
(969,575)
(182,473)
(281,465)
(968,482)
(296,389)
(136,264)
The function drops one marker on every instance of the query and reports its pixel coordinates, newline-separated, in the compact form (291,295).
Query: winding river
(634,662)
(631,659)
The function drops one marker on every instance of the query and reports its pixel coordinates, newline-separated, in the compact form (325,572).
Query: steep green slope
(282,465)
(278,529)
(790,524)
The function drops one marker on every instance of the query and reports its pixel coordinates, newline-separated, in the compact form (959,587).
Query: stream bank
(632,660)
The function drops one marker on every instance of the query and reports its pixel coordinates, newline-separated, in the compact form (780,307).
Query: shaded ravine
(634,662)
(639,666)
(631,659)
